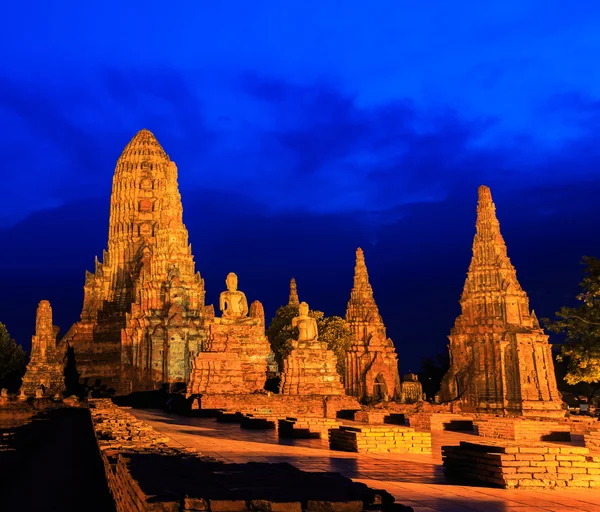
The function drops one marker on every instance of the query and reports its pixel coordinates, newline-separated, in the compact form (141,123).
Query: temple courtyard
(416,480)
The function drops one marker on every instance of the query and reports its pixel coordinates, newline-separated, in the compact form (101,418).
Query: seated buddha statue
(233,303)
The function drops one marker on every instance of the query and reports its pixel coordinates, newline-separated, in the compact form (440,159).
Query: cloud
(74,132)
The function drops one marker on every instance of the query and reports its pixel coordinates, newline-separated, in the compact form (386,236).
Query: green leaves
(581,328)
(12,360)
(333,330)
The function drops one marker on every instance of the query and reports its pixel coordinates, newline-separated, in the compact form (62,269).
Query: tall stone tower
(45,370)
(293,300)
(371,361)
(143,315)
(500,358)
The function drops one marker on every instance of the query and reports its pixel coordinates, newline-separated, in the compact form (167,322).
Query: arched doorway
(380,391)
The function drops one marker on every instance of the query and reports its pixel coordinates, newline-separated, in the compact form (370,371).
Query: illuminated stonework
(371,362)
(143,317)
(234,357)
(501,361)
(44,372)
(310,368)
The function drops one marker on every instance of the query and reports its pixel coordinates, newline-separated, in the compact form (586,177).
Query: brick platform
(306,427)
(592,440)
(147,470)
(280,406)
(371,417)
(435,421)
(380,439)
(522,429)
(508,465)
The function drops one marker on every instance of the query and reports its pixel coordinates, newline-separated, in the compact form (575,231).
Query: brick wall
(148,471)
(521,429)
(280,406)
(371,439)
(592,440)
(511,465)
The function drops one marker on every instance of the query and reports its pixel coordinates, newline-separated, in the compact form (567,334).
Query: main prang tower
(143,316)
(500,358)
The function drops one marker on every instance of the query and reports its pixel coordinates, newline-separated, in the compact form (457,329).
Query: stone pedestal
(310,369)
(235,360)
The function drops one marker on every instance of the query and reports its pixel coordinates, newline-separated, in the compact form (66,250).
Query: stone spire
(371,360)
(293,300)
(44,372)
(143,305)
(362,306)
(501,361)
(491,292)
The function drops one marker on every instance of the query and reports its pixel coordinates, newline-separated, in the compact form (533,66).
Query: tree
(336,332)
(581,328)
(12,361)
(333,330)
(432,372)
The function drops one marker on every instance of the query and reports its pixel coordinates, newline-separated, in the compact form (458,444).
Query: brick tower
(371,361)
(143,315)
(501,361)
(45,368)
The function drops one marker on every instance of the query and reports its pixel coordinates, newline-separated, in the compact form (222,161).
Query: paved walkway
(415,480)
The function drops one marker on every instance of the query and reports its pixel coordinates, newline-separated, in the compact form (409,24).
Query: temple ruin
(143,318)
(234,357)
(310,368)
(501,361)
(44,375)
(371,362)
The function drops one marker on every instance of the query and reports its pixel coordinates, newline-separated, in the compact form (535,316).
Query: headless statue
(233,303)
(307,325)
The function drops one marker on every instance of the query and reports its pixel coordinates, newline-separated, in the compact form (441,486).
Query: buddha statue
(233,303)
(307,325)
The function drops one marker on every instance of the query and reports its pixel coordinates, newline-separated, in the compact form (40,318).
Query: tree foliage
(336,332)
(581,327)
(432,372)
(333,330)
(12,361)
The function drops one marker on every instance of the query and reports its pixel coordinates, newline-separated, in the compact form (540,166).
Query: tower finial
(293,300)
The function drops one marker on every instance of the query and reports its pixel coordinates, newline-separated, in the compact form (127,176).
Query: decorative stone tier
(145,472)
(306,427)
(379,440)
(511,465)
(310,369)
(280,406)
(234,362)
(524,429)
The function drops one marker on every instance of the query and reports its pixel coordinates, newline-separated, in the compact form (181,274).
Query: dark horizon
(302,132)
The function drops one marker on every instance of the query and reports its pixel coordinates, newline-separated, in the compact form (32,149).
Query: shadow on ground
(53,463)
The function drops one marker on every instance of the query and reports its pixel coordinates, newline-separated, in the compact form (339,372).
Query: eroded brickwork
(45,371)
(512,465)
(501,360)
(234,358)
(310,368)
(143,317)
(371,362)
(379,439)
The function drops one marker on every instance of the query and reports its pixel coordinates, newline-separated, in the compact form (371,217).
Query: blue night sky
(302,130)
